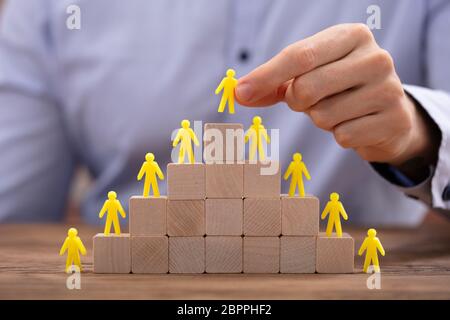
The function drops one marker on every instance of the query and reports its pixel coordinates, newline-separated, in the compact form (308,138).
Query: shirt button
(244,55)
(446,193)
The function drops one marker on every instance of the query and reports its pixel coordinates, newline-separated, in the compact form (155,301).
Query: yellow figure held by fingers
(186,135)
(255,134)
(73,246)
(150,169)
(371,245)
(228,84)
(335,209)
(297,169)
(112,206)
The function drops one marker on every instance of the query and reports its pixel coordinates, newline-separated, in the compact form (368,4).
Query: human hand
(347,85)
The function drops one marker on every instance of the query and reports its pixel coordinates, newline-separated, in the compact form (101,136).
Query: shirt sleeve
(35,163)
(435,100)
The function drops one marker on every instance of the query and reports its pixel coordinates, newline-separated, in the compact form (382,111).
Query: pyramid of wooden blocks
(223,142)
(112,253)
(223,216)
(148,216)
(299,216)
(335,255)
(186,181)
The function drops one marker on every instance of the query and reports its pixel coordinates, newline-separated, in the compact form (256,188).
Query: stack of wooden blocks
(223,216)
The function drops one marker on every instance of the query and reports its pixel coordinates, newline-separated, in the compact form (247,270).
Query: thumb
(245,92)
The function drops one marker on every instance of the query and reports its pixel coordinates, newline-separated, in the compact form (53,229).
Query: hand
(347,85)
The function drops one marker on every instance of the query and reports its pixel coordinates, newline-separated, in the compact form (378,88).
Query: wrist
(423,147)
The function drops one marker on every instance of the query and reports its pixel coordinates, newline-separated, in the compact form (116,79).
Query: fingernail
(244,92)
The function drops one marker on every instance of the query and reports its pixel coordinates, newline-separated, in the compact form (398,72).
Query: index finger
(298,58)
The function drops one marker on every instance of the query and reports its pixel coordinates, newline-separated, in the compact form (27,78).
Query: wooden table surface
(417,266)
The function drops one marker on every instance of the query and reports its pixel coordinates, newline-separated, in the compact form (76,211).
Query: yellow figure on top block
(297,169)
(186,135)
(112,205)
(255,134)
(73,246)
(228,84)
(335,209)
(371,245)
(150,169)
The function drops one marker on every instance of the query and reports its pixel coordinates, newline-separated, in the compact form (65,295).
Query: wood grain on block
(299,216)
(224,180)
(186,181)
(335,255)
(224,217)
(148,216)
(261,254)
(297,254)
(262,217)
(235,145)
(186,217)
(112,253)
(186,254)
(223,254)
(262,180)
(150,254)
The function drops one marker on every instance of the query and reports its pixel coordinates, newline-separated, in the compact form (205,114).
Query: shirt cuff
(434,191)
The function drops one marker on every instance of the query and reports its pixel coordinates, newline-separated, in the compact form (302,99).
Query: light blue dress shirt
(106,94)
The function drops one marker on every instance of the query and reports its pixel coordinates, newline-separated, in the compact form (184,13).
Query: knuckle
(361,31)
(383,61)
(303,55)
(303,94)
(320,119)
(342,137)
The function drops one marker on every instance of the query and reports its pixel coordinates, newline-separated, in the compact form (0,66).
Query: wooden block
(186,254)
(297,254)
(224,180)
(299,216)
(262,180)
(335,255)
(112,253)
(262,217)
(224,217)
(218,148)
(150,254)
(186,181)
(261,254)
(223,254)
(186,217)
(148,216)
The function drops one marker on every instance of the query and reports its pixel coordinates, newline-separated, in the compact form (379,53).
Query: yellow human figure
(151,169)
(255,134)
(185,134)
(335,208)
(297,169)
(112,205)
(228,84)
(371,245)
(73,246)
